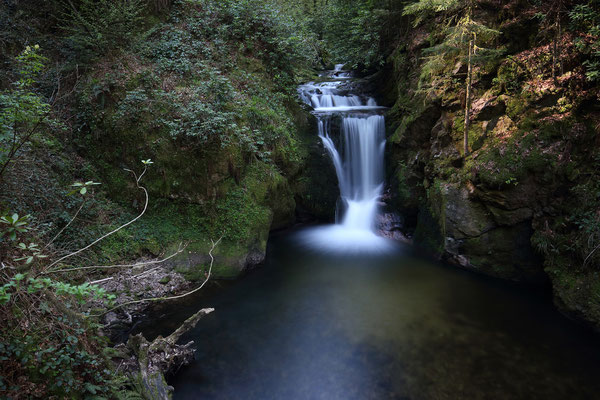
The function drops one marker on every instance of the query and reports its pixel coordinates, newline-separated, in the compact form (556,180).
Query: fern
(124,388)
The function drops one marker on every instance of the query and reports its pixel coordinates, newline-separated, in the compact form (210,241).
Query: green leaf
(91,388)
(83,190)
(4,298)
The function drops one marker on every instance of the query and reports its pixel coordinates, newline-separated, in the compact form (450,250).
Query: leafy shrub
(96,27)
(22,109)
(353,31)
(585,18)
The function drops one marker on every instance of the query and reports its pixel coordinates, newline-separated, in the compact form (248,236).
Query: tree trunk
(155,359)
(469,82)
(555,49)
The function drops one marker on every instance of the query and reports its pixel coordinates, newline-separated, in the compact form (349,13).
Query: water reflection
(310,326)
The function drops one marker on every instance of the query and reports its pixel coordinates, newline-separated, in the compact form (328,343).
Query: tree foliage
(461,37)
(585,18)
(22,109)
(97,27)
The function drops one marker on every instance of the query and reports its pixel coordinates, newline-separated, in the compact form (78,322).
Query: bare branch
(137,182)
(65,227)
(189,323)
(152,299)
(180,249)
(589,255)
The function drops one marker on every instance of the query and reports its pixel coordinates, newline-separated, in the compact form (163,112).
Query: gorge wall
(524,204)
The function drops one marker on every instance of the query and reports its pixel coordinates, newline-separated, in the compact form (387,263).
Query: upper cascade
(329,96)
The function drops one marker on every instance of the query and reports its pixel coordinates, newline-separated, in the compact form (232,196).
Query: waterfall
(360,173)
(357,159)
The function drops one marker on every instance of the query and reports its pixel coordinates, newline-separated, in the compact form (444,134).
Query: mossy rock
(230,259)
(429,234)
(316,186)
(505,252)
(576,292)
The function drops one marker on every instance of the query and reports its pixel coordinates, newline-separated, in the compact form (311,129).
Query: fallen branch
(152,360)
(180,249)
(189,323)
(145,272)
(152,299)
(133,277)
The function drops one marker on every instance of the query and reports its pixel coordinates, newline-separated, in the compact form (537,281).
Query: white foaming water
(358,162)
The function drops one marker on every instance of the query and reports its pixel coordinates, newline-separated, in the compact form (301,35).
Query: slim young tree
(551,15)
(461,34)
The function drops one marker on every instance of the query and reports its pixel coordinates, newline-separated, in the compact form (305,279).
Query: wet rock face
(492,237)
(391,225)
(317,187)
(230,259)
(516,205)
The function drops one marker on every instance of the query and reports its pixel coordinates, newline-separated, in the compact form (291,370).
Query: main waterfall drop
(358,160)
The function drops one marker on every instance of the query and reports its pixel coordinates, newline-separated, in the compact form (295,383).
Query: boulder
(478,235)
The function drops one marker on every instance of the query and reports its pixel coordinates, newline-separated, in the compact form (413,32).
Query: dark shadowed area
(318,326)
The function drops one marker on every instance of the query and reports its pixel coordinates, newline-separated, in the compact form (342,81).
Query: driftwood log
(149,362)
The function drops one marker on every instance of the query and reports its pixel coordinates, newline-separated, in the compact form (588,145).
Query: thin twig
(179,250)
(65,227)
(589,255)
(16,146)
(152,299)
(137,182)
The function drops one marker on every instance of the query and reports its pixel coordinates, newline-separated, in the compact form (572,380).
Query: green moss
(516,107)
(476,136)
(510,77)
(403,191)
(406,110)
(430,232)
(243,213)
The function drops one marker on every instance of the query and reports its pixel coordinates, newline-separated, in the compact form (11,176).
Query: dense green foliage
(207,90)
(22,109)
(585,18)
(95,28)
(204,88)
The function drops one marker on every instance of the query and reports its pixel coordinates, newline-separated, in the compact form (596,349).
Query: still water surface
(318,326)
